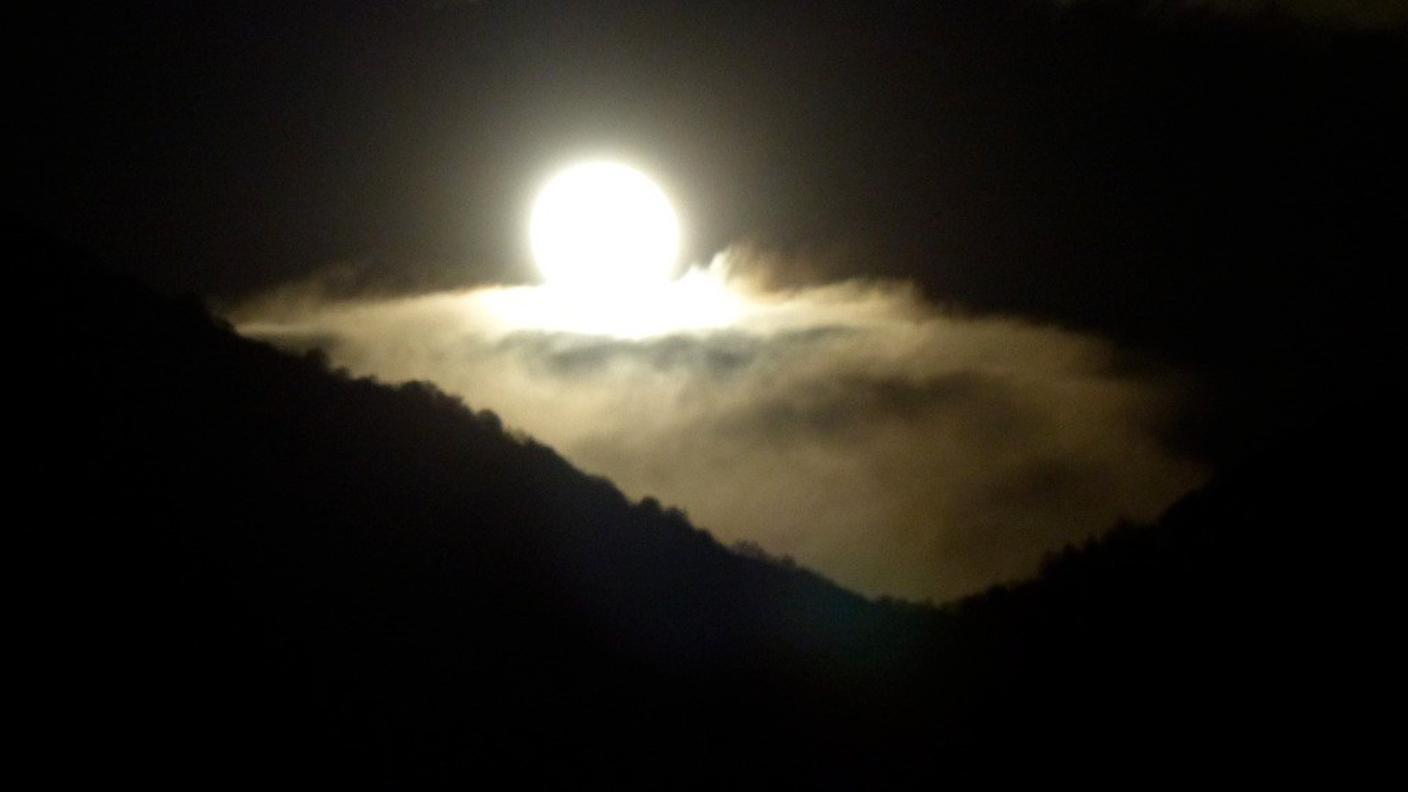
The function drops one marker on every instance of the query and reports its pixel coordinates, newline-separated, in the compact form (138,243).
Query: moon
(604,225)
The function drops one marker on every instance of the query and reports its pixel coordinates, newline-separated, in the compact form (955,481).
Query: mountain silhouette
(237,566)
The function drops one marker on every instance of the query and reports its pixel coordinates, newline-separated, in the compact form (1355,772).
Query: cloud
(895,447)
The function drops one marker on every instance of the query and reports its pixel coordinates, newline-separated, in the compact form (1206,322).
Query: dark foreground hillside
(242,568)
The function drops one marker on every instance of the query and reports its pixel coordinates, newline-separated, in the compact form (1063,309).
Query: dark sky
(1221,190)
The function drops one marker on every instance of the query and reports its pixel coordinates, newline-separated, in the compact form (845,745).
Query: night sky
(698,395)
(1062,260)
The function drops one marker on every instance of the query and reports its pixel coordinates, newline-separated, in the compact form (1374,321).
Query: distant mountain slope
(241,566)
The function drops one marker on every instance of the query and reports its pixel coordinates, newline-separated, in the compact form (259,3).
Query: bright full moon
(604,226)
(607,243)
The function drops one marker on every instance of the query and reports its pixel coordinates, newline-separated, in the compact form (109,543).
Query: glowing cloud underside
(894,446)
(699,300)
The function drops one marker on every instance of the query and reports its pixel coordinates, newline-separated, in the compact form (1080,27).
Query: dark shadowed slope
(244,568)
(259,564)
(1246,625)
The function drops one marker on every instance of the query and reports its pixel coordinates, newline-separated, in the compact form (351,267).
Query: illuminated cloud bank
(894,447)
